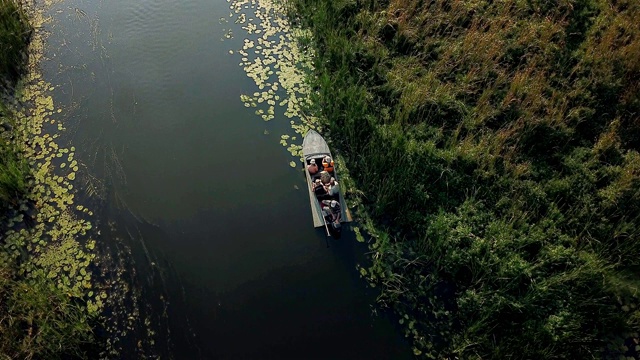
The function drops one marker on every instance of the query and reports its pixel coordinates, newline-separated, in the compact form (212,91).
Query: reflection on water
(195,203)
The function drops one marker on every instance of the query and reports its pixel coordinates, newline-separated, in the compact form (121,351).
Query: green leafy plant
(495,146)
(14,33)
(38,321)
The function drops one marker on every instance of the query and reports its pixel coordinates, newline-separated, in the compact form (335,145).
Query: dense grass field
(495,145)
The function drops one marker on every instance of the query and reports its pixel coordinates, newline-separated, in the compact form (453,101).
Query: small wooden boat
(316,148)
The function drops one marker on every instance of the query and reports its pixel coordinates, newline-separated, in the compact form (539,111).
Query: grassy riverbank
(14,35)
(496,146)
(40,316)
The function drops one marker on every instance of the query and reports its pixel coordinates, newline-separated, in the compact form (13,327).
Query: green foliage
(38,321)
(13,168)
(14,33)
(500,141)
(530,281)
(44,314)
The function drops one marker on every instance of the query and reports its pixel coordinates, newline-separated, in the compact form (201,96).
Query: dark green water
(176,169)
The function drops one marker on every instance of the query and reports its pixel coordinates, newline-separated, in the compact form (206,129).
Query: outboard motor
(336,229)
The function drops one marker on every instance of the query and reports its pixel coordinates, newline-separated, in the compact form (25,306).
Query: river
(197,191)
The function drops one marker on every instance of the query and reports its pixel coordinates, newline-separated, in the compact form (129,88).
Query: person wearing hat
(327,164)
(313,167)
(334,187)
(333,209)
(325,177)
(319,189)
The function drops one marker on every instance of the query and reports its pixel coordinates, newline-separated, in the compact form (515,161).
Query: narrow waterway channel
(180,172)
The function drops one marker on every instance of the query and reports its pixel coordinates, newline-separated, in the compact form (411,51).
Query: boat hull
(315,147)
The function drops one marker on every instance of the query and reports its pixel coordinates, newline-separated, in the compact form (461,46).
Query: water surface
(181,173)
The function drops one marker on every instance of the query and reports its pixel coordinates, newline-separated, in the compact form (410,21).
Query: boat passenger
(325,177)
(319,189)
(315,183)
(327,164)
(334,187)
(313,167)
(334,209)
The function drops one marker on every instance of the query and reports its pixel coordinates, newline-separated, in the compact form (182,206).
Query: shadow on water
(315,308)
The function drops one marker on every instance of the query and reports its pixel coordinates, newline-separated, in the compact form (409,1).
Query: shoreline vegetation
(496,148)
(43,313)
(14,36)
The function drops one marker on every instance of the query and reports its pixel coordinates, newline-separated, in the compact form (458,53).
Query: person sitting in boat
(332,208)
(334,187)
(327,164)
(319,189)
(313,167)
(325,177)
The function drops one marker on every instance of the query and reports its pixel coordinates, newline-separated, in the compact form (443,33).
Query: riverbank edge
(42,314)
(389,253)
(14,38)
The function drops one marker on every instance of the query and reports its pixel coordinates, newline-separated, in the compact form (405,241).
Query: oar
(326,239)
(325,224)
(327,228)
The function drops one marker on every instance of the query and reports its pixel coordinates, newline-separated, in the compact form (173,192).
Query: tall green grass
(496,144)
(14,33)
(13,173)
(14,37)
(14,169)
(38,321)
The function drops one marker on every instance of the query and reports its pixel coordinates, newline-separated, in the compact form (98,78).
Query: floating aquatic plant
(52,242)
(278,64)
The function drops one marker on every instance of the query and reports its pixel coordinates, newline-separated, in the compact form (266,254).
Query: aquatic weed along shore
(54,286)
(44,270)
(276,55)
(14,35)
(496,146)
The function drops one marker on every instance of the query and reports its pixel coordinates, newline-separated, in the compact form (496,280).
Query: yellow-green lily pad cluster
(51,243)
(273,57)
(58,244)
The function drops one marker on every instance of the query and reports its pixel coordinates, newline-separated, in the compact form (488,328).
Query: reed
(14,37)
(495,146)
(14,169)
(38,321)
(14,33)
(13,173)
